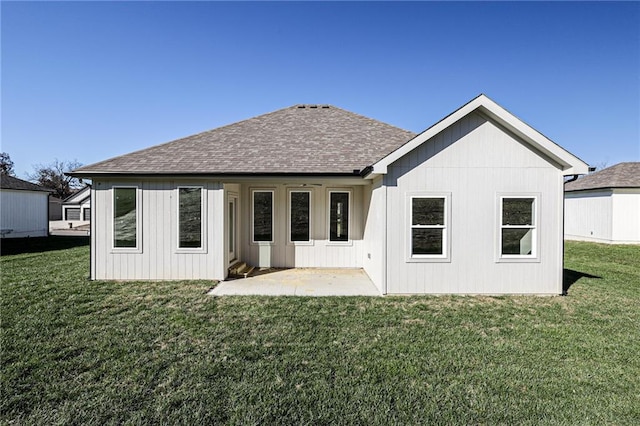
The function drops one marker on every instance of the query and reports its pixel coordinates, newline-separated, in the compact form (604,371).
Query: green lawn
(83,352)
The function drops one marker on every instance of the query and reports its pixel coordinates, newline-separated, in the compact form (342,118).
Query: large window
(428,226)
(262,216)
(299,216)
(518,227)
(125,217)
(339,215)
(189,217)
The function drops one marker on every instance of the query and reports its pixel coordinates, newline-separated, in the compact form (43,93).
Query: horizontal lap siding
(474,160)
(159,258)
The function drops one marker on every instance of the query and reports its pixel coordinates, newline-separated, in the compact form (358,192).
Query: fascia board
(381,166)
(569,162)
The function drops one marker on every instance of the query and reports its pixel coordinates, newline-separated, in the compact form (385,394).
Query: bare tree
(53,176)
(6,165)
(601,165)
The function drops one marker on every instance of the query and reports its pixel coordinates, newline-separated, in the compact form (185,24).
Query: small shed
(605,206)
(25,208)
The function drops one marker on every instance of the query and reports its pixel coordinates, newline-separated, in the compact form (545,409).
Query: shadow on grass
(569,277)
(40,244)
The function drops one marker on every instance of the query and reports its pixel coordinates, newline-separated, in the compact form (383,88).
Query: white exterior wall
(605,216)
(588,216)
(626,216)
(25,213)
(375,235)
(320,252)
(474,161)
(158,257)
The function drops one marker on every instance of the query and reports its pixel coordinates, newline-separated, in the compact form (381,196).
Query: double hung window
(518,227)
(428,226)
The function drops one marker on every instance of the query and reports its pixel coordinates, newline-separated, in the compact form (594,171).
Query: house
(605,206)
(76,208)
(25,208)
(472,205)
(55,208)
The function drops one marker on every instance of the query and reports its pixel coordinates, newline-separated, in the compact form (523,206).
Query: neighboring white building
(472,205)
(25,208)
(605,206)
(76,209)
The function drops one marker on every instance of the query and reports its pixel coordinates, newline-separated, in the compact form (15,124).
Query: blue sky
(89,81)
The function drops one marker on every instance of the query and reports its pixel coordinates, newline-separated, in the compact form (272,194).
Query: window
(339,216)
(428,226)
(518,227)
(299,216)
(189,217)
(262,216)
(125,217)
(86,214)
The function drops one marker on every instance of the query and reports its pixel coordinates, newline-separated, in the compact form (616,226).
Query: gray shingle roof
(300,139)
(10,182)
(623,175)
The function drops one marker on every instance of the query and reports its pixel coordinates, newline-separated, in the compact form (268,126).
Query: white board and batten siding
(24,213)
(604,215)
(157,256)
(317,253)
(474,161)
(375,257)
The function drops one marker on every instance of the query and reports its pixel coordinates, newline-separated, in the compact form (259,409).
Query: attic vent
(313,106)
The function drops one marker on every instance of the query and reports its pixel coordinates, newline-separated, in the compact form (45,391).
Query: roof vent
(313,106)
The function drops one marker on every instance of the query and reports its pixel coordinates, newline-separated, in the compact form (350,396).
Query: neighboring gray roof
(10,182)
(301,139)
(623,175)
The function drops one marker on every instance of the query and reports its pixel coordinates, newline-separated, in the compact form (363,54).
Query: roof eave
(101,174)
(569,163)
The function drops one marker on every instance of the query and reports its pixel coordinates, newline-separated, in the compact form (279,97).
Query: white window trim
(273,215)
(300,243)
(203,216)
(138,247)
(446,234)
(535,239)
(350,228)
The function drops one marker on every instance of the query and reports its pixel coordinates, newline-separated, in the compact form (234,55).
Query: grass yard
(83,352)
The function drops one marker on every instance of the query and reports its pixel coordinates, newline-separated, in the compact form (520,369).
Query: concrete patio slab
(300,282)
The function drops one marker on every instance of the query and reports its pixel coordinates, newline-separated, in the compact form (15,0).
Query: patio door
(232,211)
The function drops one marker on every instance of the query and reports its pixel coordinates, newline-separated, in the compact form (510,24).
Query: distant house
(55,208)
(24,207)
(472,205)
(77,207)
(605,206)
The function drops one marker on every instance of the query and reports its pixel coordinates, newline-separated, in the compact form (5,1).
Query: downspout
(386,231)
(91,231)
(574,177)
